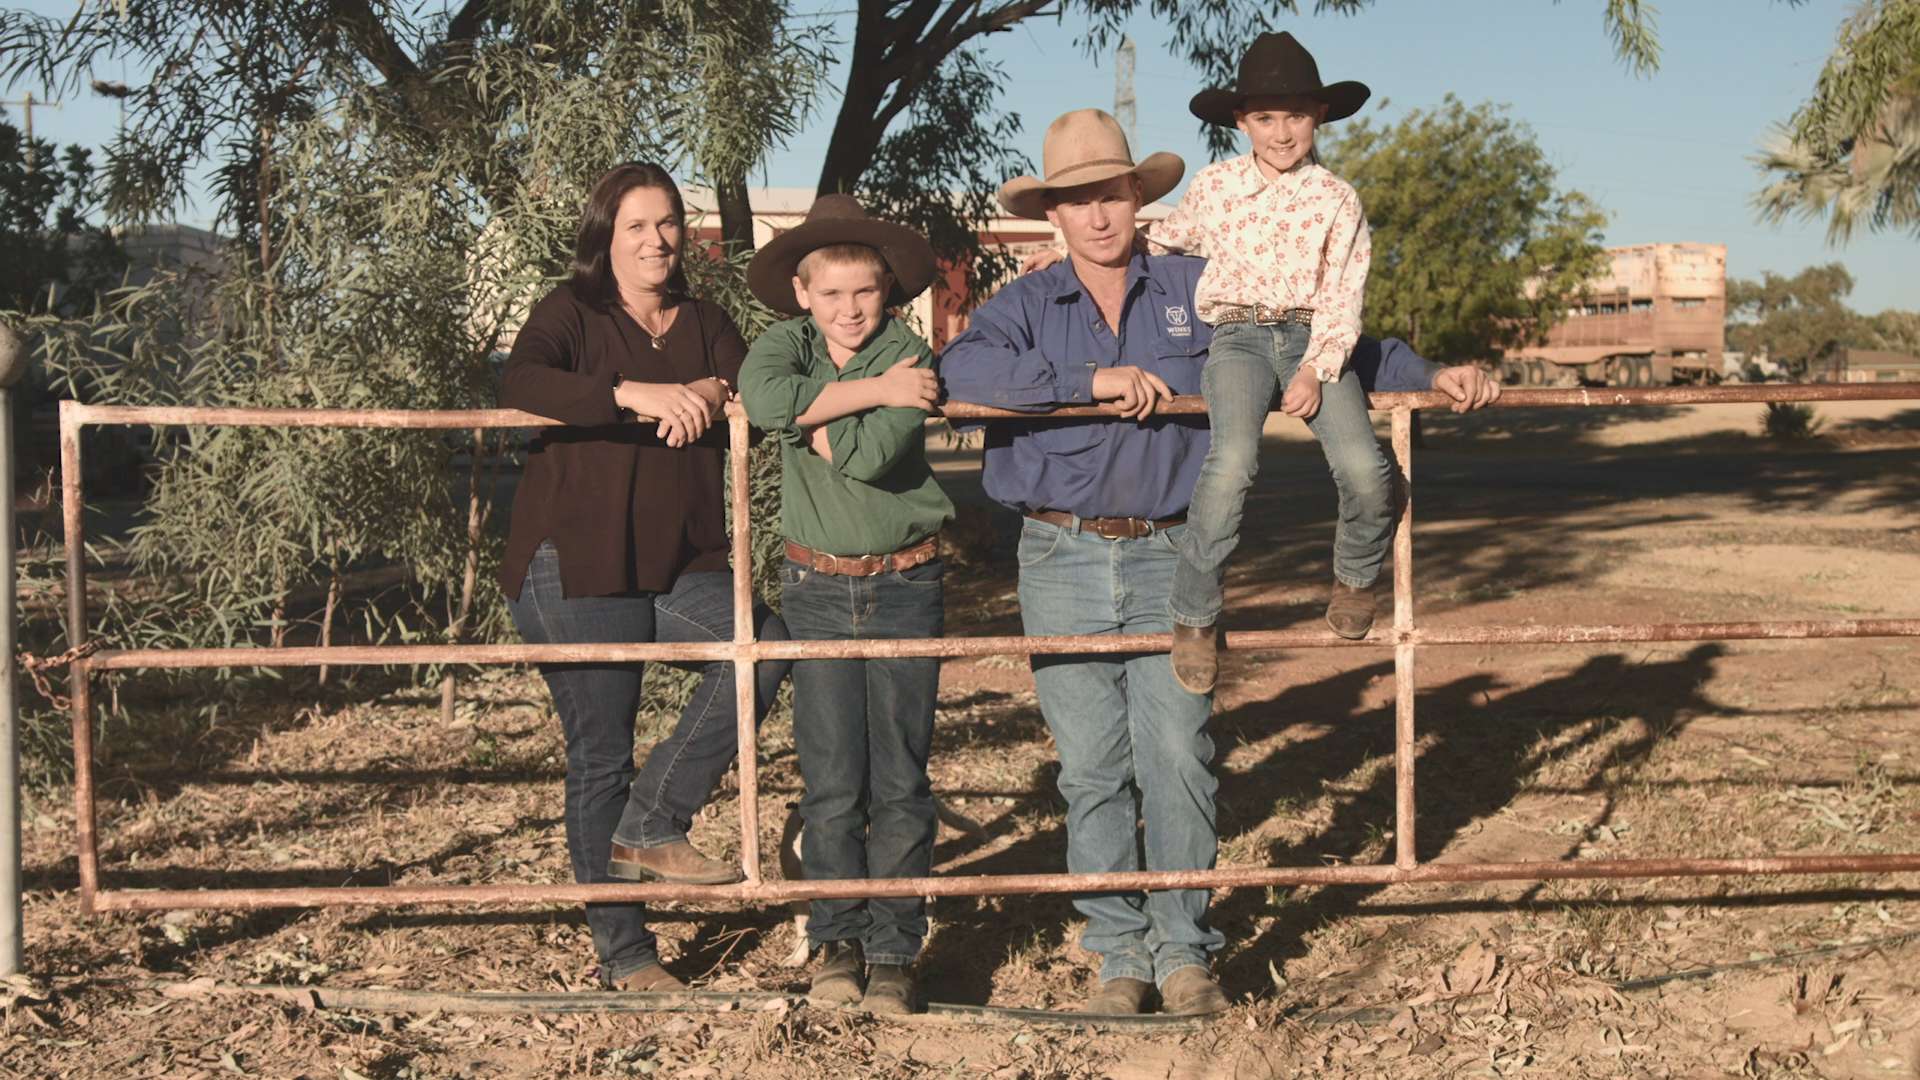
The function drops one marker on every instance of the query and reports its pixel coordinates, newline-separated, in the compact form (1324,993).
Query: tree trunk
(736,215)
(333,602)
(279,636)
(470,578)
(859,126)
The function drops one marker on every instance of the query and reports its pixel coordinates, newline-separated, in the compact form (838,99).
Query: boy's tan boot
(890,990)
(838,980)
(1196,657)
(1350,612)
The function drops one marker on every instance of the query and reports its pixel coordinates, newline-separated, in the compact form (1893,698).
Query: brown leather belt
(865,565)
(1108,528)
(1262,315)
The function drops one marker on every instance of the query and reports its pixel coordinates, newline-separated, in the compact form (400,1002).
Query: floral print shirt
(1298,240)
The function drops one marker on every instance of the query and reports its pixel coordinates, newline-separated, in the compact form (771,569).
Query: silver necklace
(659,340)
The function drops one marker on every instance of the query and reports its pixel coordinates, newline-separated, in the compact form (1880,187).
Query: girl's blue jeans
(1244,367)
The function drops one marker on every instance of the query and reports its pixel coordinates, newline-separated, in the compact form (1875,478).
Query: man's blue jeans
(597,703)
(1133,744)
(862,730)
(1244,366)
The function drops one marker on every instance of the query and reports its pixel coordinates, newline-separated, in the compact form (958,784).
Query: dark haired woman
(619,535)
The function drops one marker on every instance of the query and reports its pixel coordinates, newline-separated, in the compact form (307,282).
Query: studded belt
(1262,315)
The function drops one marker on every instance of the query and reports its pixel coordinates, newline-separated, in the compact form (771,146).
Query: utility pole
(1123,102)
(27,105)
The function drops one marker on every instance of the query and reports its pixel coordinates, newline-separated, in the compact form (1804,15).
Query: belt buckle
(1266,316)
(826,562)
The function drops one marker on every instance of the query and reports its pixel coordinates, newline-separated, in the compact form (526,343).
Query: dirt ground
(1525,753)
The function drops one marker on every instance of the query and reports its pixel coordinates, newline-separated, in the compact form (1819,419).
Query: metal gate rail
(1403,637)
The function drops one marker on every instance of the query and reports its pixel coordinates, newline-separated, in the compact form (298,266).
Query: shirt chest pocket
(1179,364)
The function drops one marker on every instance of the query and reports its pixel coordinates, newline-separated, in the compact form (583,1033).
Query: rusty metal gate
(1404,637)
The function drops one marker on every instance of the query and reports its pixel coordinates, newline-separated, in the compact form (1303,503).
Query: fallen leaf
(192,988)
(1472,970)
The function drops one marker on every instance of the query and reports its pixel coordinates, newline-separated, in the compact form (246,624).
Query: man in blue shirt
(1105,501)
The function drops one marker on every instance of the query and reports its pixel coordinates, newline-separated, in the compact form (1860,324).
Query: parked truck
(1656,317)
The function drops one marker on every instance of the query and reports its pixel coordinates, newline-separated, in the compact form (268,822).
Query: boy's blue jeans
(607,800)
(1135,757)
(1244,367)
(863,730)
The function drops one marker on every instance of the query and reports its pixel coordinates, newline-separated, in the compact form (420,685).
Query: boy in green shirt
(846,389)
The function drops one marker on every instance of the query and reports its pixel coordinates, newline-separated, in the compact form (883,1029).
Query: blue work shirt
(1036,344)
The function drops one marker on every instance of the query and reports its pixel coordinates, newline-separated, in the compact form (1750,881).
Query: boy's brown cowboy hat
(840,219)
(1087,146)
(1276,65)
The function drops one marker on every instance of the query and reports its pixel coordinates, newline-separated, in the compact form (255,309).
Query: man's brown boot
(652,979)
(1118,997)
(1350,613)
(838,981)
(1191,991)
(1196,657)
(676,862)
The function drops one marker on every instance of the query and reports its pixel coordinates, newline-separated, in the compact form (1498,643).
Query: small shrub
(1790,421)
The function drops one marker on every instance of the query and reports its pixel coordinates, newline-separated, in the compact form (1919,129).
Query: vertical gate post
(73,510)
(1404,855)
(743,644)
(13,364)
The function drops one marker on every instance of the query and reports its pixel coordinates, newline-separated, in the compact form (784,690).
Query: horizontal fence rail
(1403,637)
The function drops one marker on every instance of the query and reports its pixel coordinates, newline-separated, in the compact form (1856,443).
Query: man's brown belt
(1108,528)
(865,565)
(1262,315)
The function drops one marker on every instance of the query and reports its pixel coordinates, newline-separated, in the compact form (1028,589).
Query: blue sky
(1666,155)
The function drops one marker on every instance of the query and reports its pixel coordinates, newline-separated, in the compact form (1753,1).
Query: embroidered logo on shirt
(1177,323)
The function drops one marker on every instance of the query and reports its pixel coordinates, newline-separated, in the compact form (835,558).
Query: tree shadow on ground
(1477,754)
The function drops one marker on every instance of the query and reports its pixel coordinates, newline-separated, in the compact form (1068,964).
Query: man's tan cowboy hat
(840,219)
(1276,65)
(1087,146)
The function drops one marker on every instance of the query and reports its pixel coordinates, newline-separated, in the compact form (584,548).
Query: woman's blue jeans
(863,730)
(607,800)
(1245,365)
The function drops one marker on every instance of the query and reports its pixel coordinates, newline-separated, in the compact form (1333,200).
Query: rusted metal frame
(1189,404)
(1404,855)
(743,638)
(1405,639)
(1230,877)
(1238,640)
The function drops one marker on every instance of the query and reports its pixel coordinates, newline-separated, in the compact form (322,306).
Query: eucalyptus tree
(403,188)
(1476,247)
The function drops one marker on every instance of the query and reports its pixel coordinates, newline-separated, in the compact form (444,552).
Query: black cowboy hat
(840,219)
(1276,65)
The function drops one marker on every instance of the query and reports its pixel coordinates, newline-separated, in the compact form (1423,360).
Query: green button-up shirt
(878,493)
